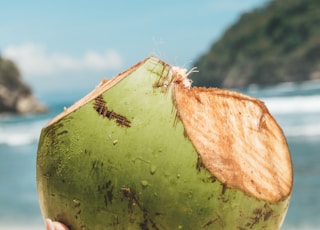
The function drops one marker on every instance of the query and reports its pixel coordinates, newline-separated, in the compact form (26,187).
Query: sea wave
(22,227)
(300,227)
(310,130)
(293,104)
(285,89)
(21,133)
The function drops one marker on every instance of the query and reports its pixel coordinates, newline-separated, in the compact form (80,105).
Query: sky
(72,45)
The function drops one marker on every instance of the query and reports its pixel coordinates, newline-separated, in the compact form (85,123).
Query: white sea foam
(23,133)
(310,130)
(297,115)
(22,227)
(301,227)
(293,104)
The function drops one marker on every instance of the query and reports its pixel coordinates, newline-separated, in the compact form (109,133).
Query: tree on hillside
(276,43)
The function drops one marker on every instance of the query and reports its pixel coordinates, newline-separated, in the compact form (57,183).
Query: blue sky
(61,45)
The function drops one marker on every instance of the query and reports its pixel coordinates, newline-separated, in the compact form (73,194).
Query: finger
(59,226)
(49,224)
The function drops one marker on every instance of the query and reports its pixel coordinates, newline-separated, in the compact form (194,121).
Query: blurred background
(54,53)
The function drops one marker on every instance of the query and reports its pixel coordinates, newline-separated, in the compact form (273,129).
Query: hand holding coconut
(54,225)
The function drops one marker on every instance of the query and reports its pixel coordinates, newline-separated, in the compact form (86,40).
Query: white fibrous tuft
(184,73)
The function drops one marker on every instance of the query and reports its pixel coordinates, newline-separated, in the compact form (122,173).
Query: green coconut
(145,150)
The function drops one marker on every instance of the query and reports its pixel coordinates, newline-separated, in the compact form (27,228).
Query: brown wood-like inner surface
(238,140)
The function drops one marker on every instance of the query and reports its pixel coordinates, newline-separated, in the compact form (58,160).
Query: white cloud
(34,59)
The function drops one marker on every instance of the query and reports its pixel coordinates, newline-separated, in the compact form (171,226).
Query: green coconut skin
(137,169)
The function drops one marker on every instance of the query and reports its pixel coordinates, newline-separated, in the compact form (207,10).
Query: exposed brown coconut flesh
(238,140)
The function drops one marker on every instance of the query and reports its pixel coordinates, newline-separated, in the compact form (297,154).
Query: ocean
(296,107)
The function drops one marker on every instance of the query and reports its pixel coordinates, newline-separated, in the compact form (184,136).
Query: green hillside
(277,43)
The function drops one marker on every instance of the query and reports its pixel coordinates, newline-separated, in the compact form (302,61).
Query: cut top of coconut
(238,140)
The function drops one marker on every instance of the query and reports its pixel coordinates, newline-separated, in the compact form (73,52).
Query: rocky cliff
(15,96)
